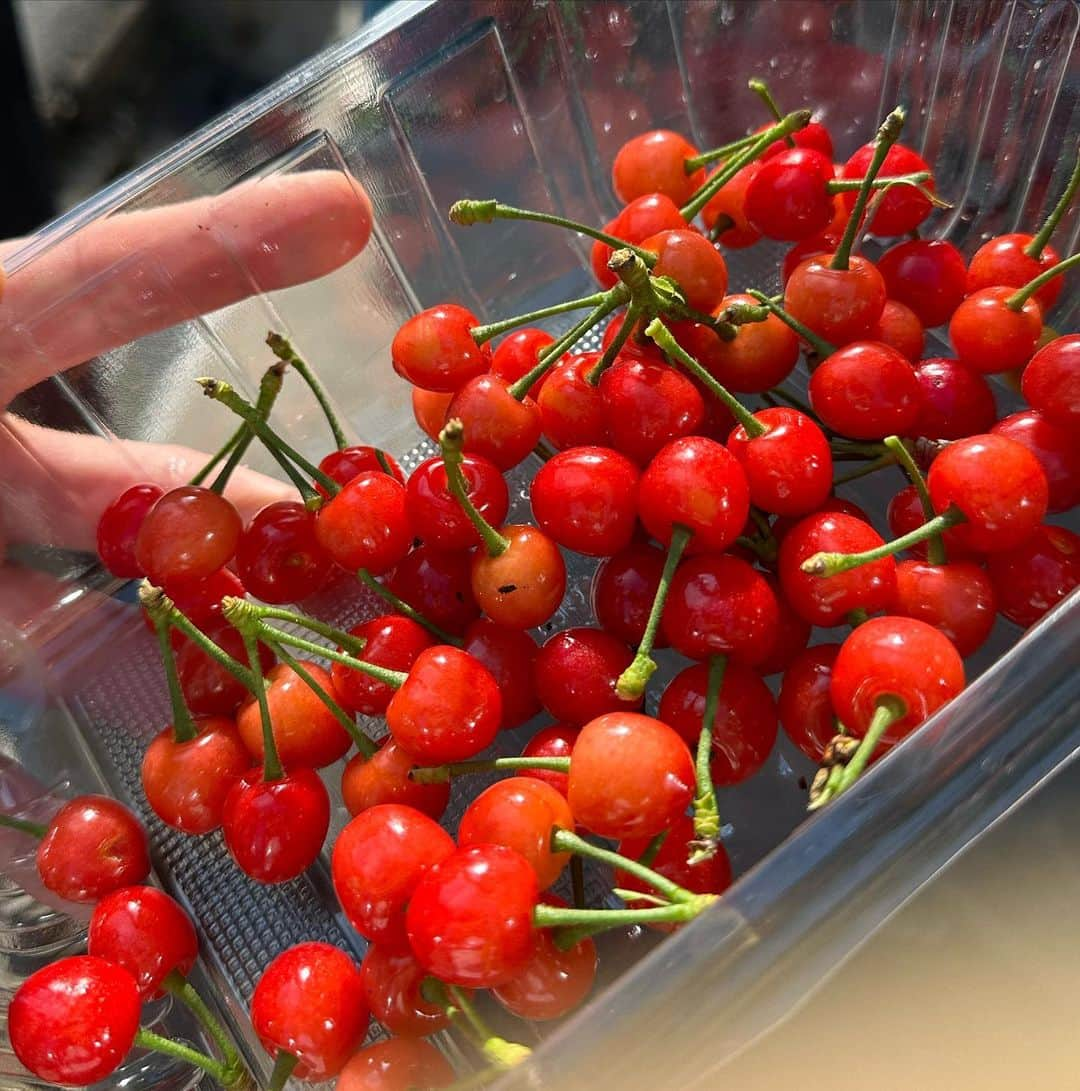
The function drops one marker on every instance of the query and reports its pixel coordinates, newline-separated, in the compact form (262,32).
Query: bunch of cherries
(718,533)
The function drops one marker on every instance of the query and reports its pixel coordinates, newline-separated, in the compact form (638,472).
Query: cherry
(956,401)
(989,336)
(835,504)
(814,136)
(306,732)
(310,1002)
(729,203)
(92,846)
(817,246)
(805,704)
(696,483)
(435,350)
(905,514)
(390,641)
(636,345)
(653,162)
(1034,577)
(1056,449)
(839,305)
(899,328)
(792,634)
(760,356)
(436,516)
(350,462)
(508,655)
(119,526)
(927,275)
(644,216)
(186,783)
(145,932)
(199,600)
(524,585)
(827,600)
(866,390)
(586,500)
(789,467)
(900,658)
(623,590)
(448,709)
(392,981)
(997,484)
(497,425)
(571,410)
(398,1064)
(630,776)
(553,982)
(278,556)
(209,689)
(903,208)
(647,405)
(366,525)
(575,674)
(516,355)
(688,258)
(429,410)
(189,533)
(384,778)
(1001,263)
(956,598)
(788,198)
(470,917)
(378,859)
(438,585)
(275,829)
(745,727)
(554,741)
(1051,381)
(74,1021)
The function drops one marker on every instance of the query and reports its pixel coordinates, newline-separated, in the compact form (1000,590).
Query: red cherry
(278,558)
(209,689)
(866,390)
(448,709)
(903,208)
(693,263)
(571,410)
(522,587)
(435,350)
(745,728)
(392,981)
(359,459)
(93,846)
(730,201)
(518,353)
(429,410)
(189,533)
(956,598)
(761,355)
(390,641)
(814,135)
(398,1064)
(378,859)
(438,585)
(623,590)
(366,525)
(186,783)
(840,305)
(1002,263)
(384,778)
(575,674)
(905,514)
(894,657)
(437,517)
(310,1002)
(988,336)
(586,499)
(835,504)
(508,655)
(824,244)
(275,829)
(805,704)
(1033,578)
(199,600)
(470,917)
(1056,449)
(927,275)
(1051,381)
(998,485)
(956,401)
(146,933)
(792,634)
(827,600)
(653,163)
(630,776)
(637,345)
(899,328)
(119,526)
(497,426)
(554,741)
(74,1021)
(787,198)
(644,216)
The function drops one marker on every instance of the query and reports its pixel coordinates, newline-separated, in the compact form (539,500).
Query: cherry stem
(462,1012)
(632,682)
(269,388)
(577,881)
(761,89)
(722,223)
(1017,300)
(348,642)
(849,449)
(887,135)
(573,925)
(178,986)
(403,608)
(393,679)
(284,1064)
(631,316)
(706,809)
(23,825)
(831,564)
(468,212)
(792,399)
(1035,248)
(847,185)
(822,347)
(451,443)
(440,774)
(790,124)
(935,548)
(483,334)
(282,348)
(868,468)
(222,452)
(652,849)
(147,1039)
(722,152)
(666,341)
(184,729)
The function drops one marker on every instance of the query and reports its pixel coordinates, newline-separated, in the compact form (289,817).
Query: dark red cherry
(278,557)
(118,529)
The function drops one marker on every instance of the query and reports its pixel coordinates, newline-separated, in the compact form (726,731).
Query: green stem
(1017,300)
(631,316)
(792,399)
(830,564)
(282,348)
(466,213)
(284,1064)
(652,849)
(394,679)
(865,470)
(482,334)
(706,809)
(402,607)
(460,1010)
(822,347)
(451,443)
(722,152)
(857,617)
(349,643)
(23,825)
(184,729)
(439,774)
(935,549)
(761,89)
(146,1039)
(1037,245)
(269,388)
(849,449)
(574,925)
(178,986)
(847,185)
(666,340)
(887,135)
(219,454)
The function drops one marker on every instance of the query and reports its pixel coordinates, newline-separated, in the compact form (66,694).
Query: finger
(75,301)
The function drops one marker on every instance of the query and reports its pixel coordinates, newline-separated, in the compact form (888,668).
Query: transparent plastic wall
(255,223)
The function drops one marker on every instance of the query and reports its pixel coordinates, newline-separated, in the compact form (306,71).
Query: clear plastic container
(527,102)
